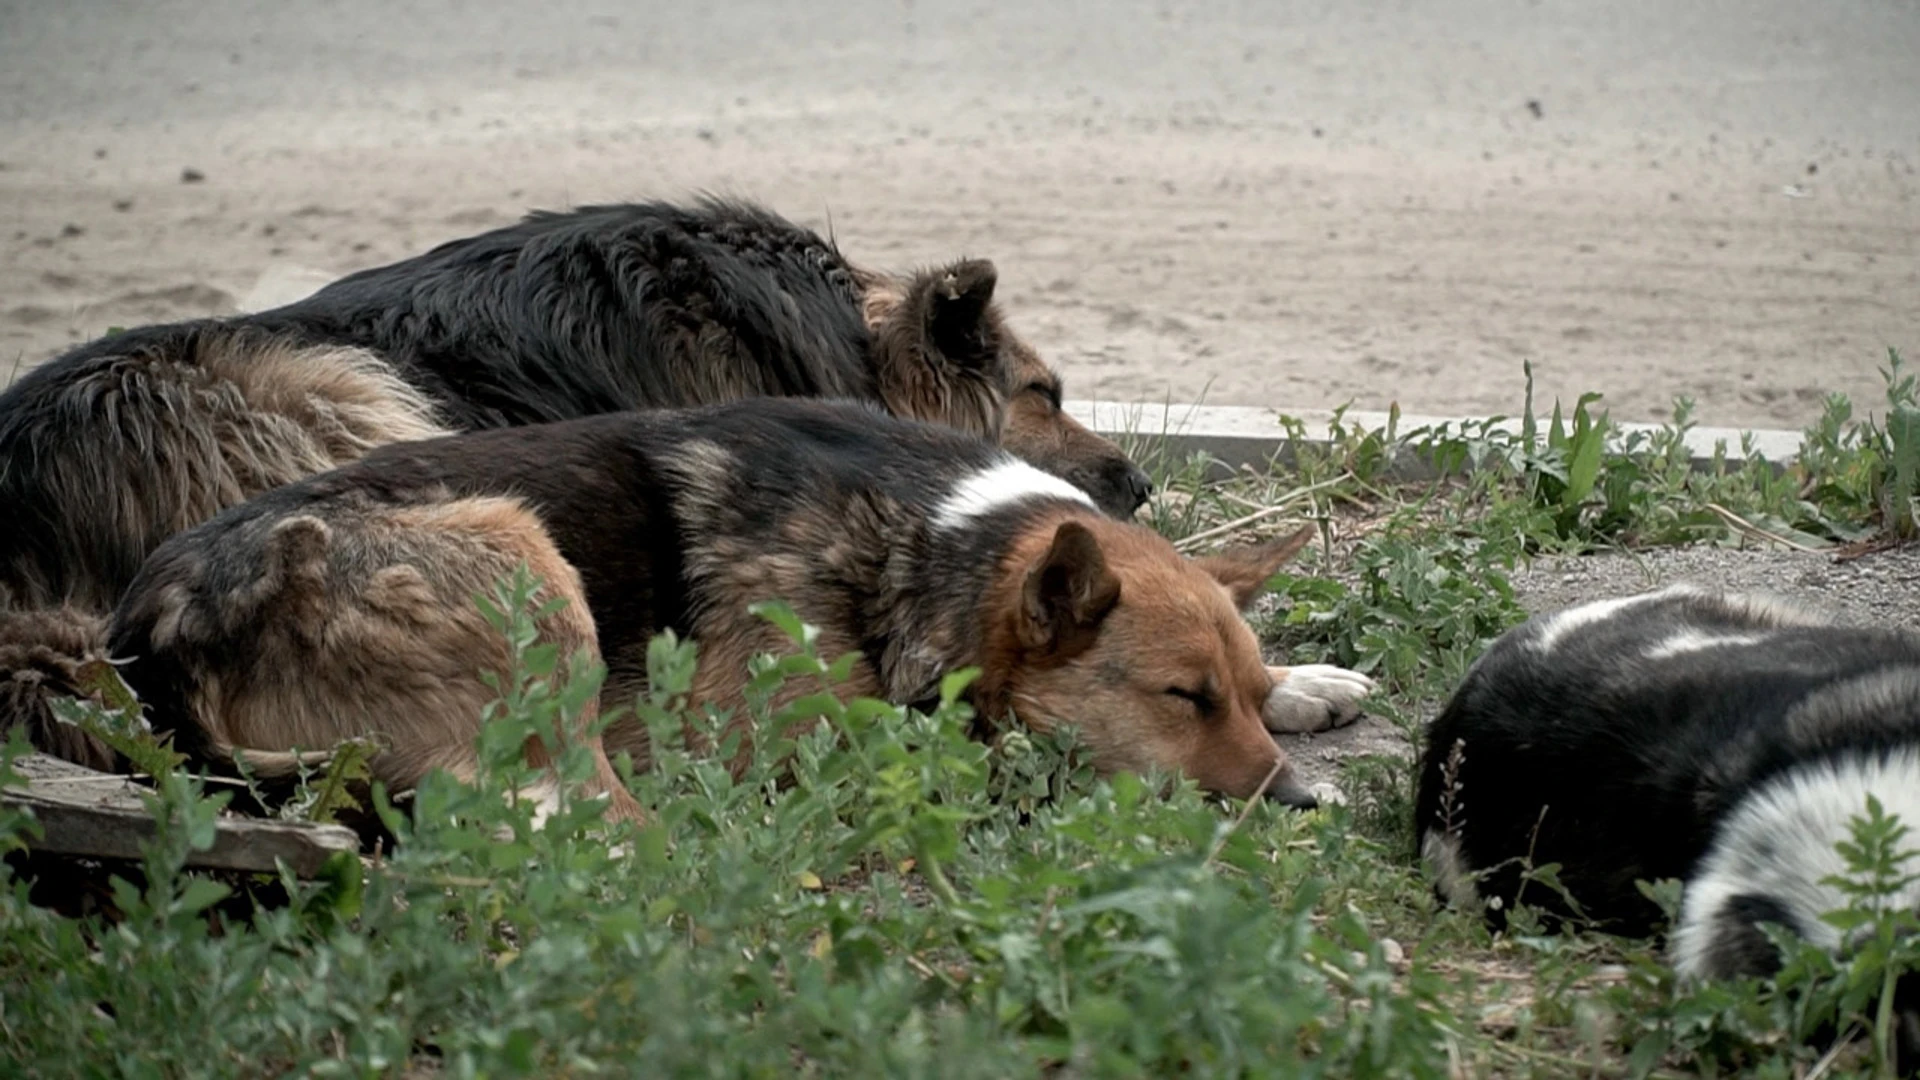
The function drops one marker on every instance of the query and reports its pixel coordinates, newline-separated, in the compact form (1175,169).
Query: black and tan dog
(1721,739)
(117,445)
(341,605)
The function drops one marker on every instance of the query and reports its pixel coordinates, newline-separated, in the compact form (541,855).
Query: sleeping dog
(340,605)
(118,444)
(1725,740)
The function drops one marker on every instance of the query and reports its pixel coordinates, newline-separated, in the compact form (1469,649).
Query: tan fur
(181,440)
(1035,429)
(912,382)
(355,620)
(880,297)
(1012,399)
(732,578)
(41,653)
(364,626)
(1150,620)
(341,401)
(1174,623)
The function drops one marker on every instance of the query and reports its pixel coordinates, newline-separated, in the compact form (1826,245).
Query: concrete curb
(1239,435)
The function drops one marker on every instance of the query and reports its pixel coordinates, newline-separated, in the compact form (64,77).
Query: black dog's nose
(1138,484)
(1118,486)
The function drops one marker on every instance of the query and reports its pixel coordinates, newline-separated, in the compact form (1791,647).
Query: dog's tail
(45,654)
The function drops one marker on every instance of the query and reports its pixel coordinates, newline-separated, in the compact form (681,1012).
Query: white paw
(1314,697)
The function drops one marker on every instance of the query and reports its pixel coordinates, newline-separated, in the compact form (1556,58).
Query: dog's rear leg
(357,620)
(472,544)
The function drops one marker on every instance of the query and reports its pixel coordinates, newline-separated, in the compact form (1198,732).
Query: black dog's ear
(951,306)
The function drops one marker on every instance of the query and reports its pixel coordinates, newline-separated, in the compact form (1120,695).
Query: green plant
(827,886)
(1869,468)
(1819,1002)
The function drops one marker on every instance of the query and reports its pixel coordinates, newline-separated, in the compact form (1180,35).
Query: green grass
(880,895)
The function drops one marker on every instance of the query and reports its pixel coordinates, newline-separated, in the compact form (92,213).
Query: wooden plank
(98,815)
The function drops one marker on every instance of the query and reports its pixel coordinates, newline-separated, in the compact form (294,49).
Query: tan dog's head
(944,354)
(1105,627)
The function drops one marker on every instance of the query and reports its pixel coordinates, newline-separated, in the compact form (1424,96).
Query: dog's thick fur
(111,448)
(1721,739)
(339,605)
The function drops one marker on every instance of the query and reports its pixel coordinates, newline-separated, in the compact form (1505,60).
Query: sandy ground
(1292,204)
(1265,203)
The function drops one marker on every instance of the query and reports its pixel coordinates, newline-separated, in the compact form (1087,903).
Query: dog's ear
(950,307)
(1244,571)
(1067,594)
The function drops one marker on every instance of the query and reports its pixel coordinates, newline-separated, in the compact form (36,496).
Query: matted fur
(118,444)
(41,653)
(345,595)
(358,624)
(101,464)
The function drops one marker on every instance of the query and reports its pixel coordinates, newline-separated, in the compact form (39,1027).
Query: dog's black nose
(1117,485)
(1139,484)
(1287,790)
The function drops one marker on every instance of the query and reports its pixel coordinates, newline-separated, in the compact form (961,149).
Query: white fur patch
(1314,697)
(1441,852)
(1561,624)
(999,486)
(1779,844)
(1687,641)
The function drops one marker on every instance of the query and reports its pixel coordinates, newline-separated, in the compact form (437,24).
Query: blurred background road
(1274,203)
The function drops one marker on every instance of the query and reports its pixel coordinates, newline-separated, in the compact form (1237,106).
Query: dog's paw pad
(1314,697)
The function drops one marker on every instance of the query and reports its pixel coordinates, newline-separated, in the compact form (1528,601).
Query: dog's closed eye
(1200,699)
(1049,390)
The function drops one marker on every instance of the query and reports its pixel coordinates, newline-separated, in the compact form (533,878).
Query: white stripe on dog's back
(1681,606)
(1563,623)
(1558,626)
(1689,641)
(998,486)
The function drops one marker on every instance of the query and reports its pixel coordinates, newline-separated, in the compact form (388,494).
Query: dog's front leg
(1313,697)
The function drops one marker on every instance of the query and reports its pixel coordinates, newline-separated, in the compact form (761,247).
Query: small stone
(1499,1018)
(191,175)
(1328,794)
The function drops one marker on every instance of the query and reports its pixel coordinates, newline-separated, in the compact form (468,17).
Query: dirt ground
(1292,204)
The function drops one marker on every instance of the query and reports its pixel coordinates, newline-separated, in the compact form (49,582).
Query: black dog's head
(944,354)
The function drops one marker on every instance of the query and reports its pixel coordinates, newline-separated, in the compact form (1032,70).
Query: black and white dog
(1725,740)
